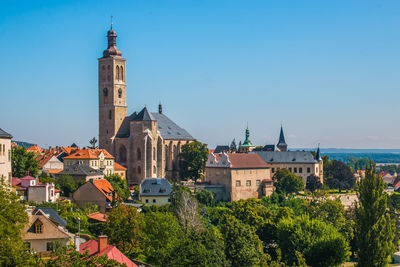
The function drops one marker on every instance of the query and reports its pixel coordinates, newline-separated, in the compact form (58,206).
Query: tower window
(108,67)
(122,73)
(105,92)
(117,70)
(109,114)
(139,170)
(138,154)
(119,92)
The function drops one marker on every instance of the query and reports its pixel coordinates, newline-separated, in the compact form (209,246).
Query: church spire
(112,49)
(282,146)
(318,155)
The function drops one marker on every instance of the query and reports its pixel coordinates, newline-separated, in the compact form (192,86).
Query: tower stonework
(112,93)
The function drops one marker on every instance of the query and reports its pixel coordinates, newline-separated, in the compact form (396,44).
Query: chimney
(102,242)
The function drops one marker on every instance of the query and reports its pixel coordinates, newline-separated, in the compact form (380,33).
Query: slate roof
(155,187)
(269,148)
(170,130)
(144,115)
(281,138)
(286,157)
(52,214)
(123,131)
(4,134)
(244,161)
(220,149)
(80,169)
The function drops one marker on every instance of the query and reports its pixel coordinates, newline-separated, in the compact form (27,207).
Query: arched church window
(117,72)
(119,92)
(154,153)
(139,170)
(138,154)
(105,92)
(154,169)
(122,73)
(109,114)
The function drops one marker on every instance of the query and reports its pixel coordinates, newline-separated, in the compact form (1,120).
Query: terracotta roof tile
(89,154)
(104,187)
(98,216)
(35,148)
(244,161)
(118,167)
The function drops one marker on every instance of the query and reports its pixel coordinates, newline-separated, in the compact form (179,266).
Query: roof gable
(155,187)
(4,134)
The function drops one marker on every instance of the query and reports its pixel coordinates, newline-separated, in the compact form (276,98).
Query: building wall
(306,169)
(159,200)
(41,194)
(121,173)
(40,245)
(5,160)
(53,164)
(106,165)
(88,193)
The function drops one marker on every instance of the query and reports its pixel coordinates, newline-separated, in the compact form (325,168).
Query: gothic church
(146,143)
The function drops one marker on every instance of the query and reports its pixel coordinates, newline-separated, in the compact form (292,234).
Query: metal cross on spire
(111,21)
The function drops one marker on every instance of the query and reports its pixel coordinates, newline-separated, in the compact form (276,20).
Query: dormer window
(38,227)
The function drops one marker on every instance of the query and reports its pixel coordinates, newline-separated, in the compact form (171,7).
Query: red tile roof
(104,187)
(69,150)
(118,167)
(98,216)
(54,171)
(35,148)
(245,161)
(89,154)
(15,181)
(112,252)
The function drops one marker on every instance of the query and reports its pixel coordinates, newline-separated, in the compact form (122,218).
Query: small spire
(318,154)
(160,108)
(111,21)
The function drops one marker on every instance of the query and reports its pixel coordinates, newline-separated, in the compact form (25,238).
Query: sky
(328,71)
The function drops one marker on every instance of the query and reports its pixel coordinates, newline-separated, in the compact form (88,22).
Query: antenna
(111,18)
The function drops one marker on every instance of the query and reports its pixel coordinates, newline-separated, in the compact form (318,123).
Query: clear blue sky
(328,70)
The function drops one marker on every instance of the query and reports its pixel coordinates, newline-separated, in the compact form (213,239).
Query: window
(248,183)
(109,114)
(38,227)
(300,170)
(238,183)
(169,200)
(147,201)
(117,73)
(122,73)
(154,200)
(308,170)
(105,92)
(138,154)
(290,169)
(49,246)
(139,170)
(257,182)
(119,92)
(154,153)
(273,170)
(154,169)
(295,170)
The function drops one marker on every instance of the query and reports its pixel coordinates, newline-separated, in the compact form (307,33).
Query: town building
(242,175)
(101,247)
(155,191)
(98,192)
(31,190)
(50,164)
(52,214)
(81,172)
(98,159)
(5,156)
(120,170)
(41,233)
(146,143)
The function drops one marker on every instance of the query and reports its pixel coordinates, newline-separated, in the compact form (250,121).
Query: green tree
(120,186)
(374,227)
(13,251)
(339,176)
(23,162)
(124,226)
(161,233)
(44,178)
(287,182)
(320,244)
(205,197)
(67,184)
(233,147)
(313,183)
(192,160)
(242,245)
(93,142)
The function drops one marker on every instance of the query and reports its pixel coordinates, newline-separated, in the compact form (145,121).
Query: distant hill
(23,144)
(351,150)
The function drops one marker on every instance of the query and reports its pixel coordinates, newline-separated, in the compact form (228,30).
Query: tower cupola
(112,49)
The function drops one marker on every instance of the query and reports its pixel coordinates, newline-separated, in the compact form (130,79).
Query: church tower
(282,146)
(112,93)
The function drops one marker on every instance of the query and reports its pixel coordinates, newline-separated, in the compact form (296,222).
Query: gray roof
(51,213)
(169,129)
(4,134)
(124,130)
(80,169)
(286,157)
(155,187)
(144,115)
(220,149)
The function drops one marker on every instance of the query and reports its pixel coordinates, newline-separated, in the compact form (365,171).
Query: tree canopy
(23,162)
(192,160)
(287,182)
(120,186)
(339,176)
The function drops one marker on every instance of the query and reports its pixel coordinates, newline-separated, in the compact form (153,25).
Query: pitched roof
(15,181)
(118,167)
(80,169)
(286,157)
(170,130)
(155,187)
(55,171)
(104,187)
(281,138)
(69,149)
(124,130)
(50,230)
(98,216)
(220,149)
(89,154)
(144,115)
(35,148)
(46,158)
(244,160)
(112,252)
(52,214)
(4,134)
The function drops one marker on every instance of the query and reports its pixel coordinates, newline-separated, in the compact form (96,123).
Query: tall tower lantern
(112,92)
